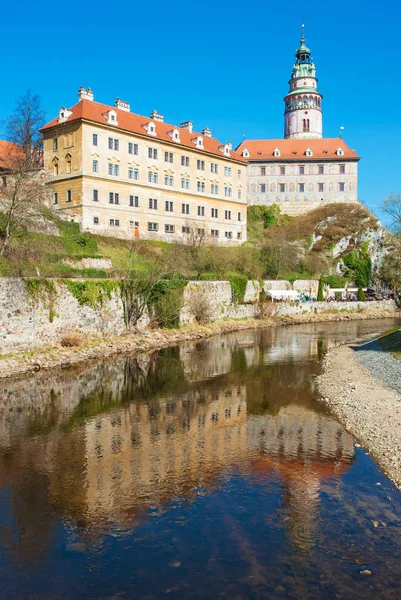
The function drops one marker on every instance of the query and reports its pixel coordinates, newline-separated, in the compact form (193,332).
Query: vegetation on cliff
(330,242)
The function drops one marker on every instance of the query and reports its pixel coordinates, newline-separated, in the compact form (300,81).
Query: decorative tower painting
(303,103)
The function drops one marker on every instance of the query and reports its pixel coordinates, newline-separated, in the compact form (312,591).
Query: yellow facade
(85,171)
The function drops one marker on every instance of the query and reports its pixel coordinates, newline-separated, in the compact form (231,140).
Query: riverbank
(154,339)
(366,407)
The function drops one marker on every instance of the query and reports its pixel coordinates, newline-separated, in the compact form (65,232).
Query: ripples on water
(201,471)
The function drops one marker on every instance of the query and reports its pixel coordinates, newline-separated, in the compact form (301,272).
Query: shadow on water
(199,471)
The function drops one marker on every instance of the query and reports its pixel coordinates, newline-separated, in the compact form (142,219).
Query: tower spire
(303,109)
(303,34)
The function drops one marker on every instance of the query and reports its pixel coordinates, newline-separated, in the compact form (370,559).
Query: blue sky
(222,64)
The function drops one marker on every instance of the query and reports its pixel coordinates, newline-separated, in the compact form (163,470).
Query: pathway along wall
(36,314)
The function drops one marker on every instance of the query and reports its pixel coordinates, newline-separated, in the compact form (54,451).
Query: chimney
(187,125)
(84,94)
(230,145)
(207,132)
(156,116)
(122,105)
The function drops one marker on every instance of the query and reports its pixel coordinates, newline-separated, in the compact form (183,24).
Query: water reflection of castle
(133,434)
(144,455)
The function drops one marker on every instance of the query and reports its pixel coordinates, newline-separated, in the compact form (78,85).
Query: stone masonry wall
(25,321)
(28,322)
(284,309)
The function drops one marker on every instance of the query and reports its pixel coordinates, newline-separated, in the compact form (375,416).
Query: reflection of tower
(303,112)
(305,448)
(302,501)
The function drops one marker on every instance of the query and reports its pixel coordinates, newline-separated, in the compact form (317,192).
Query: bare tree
(279,252)
(392,207)
(390,273)
(23,130)
(23,196)
(138,286)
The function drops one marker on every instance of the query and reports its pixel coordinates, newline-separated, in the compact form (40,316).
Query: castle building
(118,173)
(304,170)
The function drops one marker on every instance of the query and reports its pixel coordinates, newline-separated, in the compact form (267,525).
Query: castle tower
(303,112)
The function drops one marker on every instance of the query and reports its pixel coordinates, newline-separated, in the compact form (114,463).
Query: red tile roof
(96,112)
(8,153)
(322,149)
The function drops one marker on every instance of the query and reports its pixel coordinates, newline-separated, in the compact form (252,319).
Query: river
(204,470)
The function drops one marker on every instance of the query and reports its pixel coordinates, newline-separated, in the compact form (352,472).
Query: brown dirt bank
(154,339)
(368,410)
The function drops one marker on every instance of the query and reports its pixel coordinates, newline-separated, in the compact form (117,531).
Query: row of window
(153,177)
(153,153)
(301,170)
(170,228)
(153,204)
(283,187)
(114,198)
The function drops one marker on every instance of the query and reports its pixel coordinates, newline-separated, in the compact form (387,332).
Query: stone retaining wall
(284,309)
(28,321)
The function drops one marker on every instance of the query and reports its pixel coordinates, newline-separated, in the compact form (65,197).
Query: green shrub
(359,266)
(361,295)
(209,277)
(238,283)
(320,295)
(269,215)
(166,301)
(335,281)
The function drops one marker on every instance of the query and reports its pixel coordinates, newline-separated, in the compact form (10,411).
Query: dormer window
(198,142)
(150,128)
(276,152)
(64,113)
(112,117)
(246,153)
(227,150)
(309,152)
(340,152)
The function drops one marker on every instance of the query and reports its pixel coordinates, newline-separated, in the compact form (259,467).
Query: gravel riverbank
(376,356)
(368,409)
(154,339)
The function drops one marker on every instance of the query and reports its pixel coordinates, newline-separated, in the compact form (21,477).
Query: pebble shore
(381,363)
(367,408)
(155,339)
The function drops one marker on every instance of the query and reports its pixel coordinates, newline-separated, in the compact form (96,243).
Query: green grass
(390,341)
(389,332)
(38,254)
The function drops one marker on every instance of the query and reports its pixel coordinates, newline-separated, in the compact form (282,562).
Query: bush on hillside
(335,281)
(361,295)
(320,295)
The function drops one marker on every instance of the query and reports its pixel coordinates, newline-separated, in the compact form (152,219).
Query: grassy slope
(34,254)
